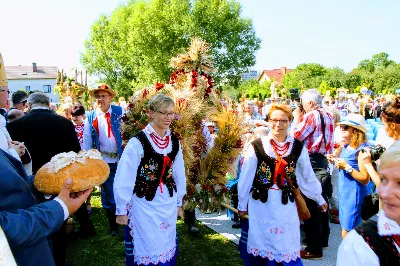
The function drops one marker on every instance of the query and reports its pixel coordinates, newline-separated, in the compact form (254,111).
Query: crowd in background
(316,145)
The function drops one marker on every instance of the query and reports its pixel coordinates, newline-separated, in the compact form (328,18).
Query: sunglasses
(344,127)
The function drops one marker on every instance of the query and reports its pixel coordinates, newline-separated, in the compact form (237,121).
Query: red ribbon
(96,125)
(167,162)
(280,168)
(108,118)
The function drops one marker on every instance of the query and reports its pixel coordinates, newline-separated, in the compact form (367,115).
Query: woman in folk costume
(148,188)
(274,227)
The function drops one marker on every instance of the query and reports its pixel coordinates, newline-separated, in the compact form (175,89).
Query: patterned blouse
(79,133)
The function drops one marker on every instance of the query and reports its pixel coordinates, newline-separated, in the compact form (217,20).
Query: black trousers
(316,228)
(234,201)
(59,239)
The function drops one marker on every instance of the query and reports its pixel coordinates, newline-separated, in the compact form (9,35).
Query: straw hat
(103,87)
(354,120)
(3,77)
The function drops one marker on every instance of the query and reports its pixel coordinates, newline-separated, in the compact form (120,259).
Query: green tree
(132,47)
(253,89)
(305,76)
(377,62)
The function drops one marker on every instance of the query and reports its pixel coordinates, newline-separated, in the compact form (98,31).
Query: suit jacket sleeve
(30,226)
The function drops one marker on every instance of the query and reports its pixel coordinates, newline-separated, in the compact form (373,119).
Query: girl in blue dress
(353,176)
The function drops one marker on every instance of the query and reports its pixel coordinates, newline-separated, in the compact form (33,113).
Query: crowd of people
(285,179)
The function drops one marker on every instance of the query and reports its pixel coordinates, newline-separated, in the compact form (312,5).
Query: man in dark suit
(43,132)
(26,223)
(46,134)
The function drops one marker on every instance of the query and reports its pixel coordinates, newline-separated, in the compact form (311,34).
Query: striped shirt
(309,130)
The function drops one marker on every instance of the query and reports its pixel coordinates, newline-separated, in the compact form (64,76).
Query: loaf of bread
(86,169)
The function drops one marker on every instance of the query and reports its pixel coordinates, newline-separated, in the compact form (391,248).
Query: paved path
(223,225)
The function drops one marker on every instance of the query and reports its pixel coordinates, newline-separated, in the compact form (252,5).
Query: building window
(47,88)
(28,88)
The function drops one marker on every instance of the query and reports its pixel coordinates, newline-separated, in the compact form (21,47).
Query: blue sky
(333,33)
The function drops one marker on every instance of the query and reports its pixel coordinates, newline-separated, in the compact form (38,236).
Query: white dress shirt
(106,144)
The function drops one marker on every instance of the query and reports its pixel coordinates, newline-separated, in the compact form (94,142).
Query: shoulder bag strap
(322,127)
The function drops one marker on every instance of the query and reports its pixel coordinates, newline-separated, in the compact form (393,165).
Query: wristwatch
(349,169)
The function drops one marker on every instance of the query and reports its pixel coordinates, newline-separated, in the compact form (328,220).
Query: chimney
(283,70)
(34,67)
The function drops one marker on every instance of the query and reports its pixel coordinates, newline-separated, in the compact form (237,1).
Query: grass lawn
(209,248)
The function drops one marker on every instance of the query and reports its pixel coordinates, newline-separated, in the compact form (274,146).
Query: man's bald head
(14,114)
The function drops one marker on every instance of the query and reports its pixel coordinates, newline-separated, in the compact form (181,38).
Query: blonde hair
(391,155)
(281,107)
(357,138)
(159,101)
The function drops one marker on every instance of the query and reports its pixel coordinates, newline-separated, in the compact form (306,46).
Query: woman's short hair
(160,101)
(78,110)
(281,107)
(357,138)
(391,112)
(391,155)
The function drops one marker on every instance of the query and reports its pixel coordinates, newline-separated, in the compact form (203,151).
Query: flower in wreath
(291,169)
(159,86)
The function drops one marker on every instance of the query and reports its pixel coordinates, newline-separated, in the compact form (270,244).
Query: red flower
(124,118)
(131,106)
(145,93)
(159,86)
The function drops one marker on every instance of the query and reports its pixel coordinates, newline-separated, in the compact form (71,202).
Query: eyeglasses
(8,92)
(102,96)
(24,101)
(172,114)
(344,127)
(276,121)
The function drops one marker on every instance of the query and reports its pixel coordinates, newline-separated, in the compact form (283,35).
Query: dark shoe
(190,220)
(87,230)
(193,230)
(112,221)
(236,225)
(334,220)
(325,247)
(304,254)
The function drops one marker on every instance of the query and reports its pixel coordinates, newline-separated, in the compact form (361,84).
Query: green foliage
(378,61)
(379,74)
(132,47)
(253,89)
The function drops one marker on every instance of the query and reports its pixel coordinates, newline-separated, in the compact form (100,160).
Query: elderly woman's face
(389,190)
(249,108)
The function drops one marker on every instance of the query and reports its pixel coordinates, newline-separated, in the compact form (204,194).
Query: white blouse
(355,252)
(306,179)
(125,177)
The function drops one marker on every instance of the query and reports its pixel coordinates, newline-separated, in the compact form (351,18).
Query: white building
(33,78)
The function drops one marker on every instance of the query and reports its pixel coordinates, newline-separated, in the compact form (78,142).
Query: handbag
(302,210)
(370,205)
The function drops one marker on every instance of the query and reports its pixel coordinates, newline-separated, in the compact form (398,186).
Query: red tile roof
(275,74)
(26,72)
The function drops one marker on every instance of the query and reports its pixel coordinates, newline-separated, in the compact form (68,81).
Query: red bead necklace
(281,150)
(160,143)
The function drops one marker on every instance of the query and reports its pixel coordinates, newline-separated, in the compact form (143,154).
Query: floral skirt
(129,254)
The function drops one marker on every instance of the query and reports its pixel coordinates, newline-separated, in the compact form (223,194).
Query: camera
(376,152)
(294,94)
